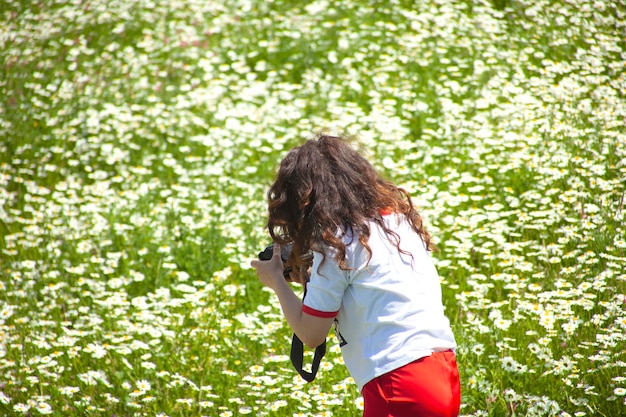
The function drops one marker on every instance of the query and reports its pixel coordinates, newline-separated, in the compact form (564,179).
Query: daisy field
(138,139)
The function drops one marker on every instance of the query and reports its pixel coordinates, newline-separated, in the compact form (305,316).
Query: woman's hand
(270,272)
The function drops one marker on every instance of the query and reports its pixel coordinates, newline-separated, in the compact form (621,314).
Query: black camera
(268,252)
(285,251)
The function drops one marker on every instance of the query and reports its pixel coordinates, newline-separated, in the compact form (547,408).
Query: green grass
(138,139)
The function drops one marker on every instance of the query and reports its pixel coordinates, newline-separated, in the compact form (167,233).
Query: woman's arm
(310,329)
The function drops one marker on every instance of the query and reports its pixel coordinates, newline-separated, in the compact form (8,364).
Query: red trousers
(427,387)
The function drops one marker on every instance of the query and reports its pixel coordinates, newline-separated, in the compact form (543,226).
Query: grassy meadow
(138,139)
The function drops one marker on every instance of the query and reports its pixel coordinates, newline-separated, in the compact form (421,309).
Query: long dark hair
(325,188)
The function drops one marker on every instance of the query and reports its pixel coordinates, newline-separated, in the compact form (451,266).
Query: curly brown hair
(325,188)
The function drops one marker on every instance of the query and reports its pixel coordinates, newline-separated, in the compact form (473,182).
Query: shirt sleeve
(325,288)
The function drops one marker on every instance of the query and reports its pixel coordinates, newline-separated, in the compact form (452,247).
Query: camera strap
(297,355)
(297,358)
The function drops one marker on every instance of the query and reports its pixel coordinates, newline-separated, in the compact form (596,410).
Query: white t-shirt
(388,312)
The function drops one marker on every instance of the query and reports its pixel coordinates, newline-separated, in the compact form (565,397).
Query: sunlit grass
(138,141)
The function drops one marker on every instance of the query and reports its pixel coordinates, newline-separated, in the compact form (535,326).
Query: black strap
(297,358)
(297,355)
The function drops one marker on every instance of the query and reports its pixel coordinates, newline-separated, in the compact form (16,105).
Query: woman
(372,277)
